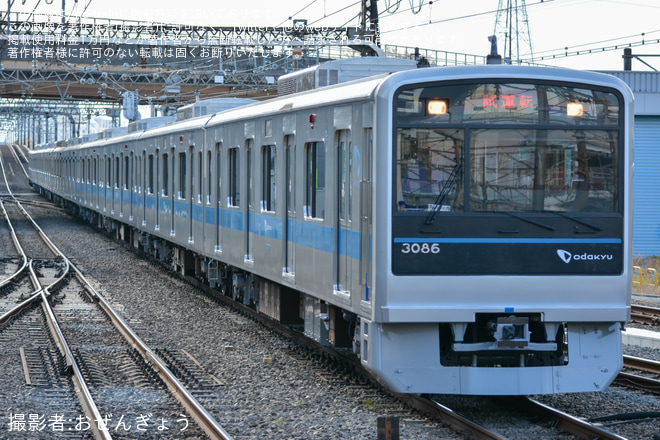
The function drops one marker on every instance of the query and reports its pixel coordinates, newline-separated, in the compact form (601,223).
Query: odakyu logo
(566,256)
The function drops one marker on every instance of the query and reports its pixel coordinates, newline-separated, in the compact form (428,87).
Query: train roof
(503,71)
(383,85)
(337,94)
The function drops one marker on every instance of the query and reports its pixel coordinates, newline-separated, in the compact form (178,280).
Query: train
(463,230)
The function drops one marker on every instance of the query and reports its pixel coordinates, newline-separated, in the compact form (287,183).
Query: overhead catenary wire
(461,17)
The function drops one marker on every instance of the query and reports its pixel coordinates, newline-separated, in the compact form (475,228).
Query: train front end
(503,231)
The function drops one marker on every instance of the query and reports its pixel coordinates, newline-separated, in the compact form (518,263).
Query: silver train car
(465,230)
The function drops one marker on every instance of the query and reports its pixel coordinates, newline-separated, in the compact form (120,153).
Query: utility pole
(512,28)
(370,29)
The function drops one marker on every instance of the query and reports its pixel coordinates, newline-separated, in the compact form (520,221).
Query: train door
(85,180)
(100,204)
(80,179)
(107,188)
(116,188)
(156,184)
(249,241)
(126,190)
(121,183)
(198,218)
(98,172)
(364,166)
(209,214)
(136,190)
(344,235)
(174,193)
(90,180)
(137,187)
(147,182)
(100,188)
(73,179)
(195,191)
(234,203)
(75,183)
(76,164)
(95,183)
(289,212)
(128,185)
(218,196)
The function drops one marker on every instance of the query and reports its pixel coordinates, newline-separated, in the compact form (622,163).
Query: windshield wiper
(577,220)
(444,192)
(528,220)
(560,214)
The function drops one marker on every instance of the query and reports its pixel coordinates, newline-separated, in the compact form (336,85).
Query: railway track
(547,422)
(645,315)
(649,382)
(91,349)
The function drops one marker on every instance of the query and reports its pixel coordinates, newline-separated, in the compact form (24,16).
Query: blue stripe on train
(306,233)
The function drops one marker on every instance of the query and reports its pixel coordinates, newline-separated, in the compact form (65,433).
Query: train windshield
(507,147)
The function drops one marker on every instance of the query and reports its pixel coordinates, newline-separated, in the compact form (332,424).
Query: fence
(641,278)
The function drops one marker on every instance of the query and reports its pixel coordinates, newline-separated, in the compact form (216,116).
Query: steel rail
(42,294)
(18,246)
(35,295)
(645,315)
(639,382)
(14,237)
(641,364)
(87,402)
(202,417)
(27,264)
(179,392)
(84,395)
(15,154)
(20,307)
(644,383)
(454,419)
(41,233)
(568,423)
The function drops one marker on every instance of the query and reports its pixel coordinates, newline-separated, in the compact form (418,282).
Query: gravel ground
(284,398)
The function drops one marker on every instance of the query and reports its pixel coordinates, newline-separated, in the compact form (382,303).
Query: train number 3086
(420,248)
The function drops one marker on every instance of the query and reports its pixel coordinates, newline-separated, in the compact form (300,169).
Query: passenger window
(182,176)
(150,174)
(197,185)
(209,178)
(218,167)
(233,196)
(117,173)
(166,175)
(290,173)
(315,180)
(126,172)
(268,180)
(108,174)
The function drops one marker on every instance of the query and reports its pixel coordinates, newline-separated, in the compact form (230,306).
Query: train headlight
(574,109)
(437,107)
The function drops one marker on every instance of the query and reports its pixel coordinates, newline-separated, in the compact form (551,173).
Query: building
(646,222)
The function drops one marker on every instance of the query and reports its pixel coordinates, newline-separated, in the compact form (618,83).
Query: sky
(555,26)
